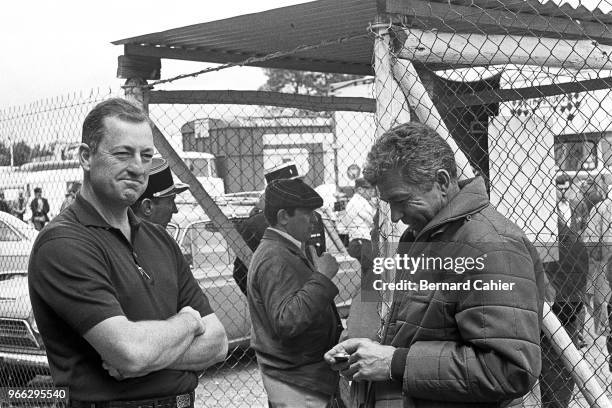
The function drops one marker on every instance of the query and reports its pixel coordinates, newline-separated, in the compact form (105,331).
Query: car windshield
(7,233)
(207,248)
(24,229)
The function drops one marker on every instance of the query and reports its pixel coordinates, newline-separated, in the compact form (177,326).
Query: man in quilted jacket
(463,328)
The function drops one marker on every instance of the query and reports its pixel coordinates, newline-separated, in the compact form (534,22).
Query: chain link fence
(544,150)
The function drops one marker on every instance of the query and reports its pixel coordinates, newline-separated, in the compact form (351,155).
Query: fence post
(136,91)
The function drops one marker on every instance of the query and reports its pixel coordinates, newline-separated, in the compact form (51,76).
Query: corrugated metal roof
(284,29)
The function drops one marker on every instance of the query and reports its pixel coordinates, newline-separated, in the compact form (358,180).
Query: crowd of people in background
(39,205)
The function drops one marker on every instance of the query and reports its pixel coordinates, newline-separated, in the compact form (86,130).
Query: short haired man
(39,206)
(291,301)
(122,318)
(157,204)
(359,218)
(4,207)
(456,345)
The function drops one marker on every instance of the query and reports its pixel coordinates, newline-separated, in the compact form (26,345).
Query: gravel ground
(236,383)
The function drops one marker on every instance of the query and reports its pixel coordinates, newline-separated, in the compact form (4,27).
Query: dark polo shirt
(83,271)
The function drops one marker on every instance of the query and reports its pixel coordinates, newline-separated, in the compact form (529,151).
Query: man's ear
(84,156)
(282,216)
(443,179)
(146,206)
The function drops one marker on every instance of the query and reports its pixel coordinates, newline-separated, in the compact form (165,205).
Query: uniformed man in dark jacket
(252,229)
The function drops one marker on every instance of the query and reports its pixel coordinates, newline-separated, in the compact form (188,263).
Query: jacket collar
(87,215)
(272,235)
(471,198)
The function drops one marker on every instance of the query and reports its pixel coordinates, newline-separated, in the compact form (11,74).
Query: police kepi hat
(161,183)
(287,170)
(292,193)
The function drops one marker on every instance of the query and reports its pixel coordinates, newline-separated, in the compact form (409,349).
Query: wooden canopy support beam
(574,361)
(134,66)
(226,227)
(220,57)
(314,103)
(419,99)
(532,92)
(481,49)
(444,15)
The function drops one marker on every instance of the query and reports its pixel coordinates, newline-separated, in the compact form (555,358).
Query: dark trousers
(556,383)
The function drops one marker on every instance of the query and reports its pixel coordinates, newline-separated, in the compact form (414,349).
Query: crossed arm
(185,341)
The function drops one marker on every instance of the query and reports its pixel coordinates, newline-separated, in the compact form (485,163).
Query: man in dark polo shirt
(121,316)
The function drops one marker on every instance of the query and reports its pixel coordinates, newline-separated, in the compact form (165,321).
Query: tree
(21,153)
(5,155)
(302,82)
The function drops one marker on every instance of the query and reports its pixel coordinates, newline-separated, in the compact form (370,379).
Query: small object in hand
(341,357)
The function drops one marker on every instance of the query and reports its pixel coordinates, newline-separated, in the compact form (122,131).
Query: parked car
(16,240)
(22,352)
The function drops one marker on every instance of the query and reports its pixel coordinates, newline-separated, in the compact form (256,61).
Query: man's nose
(138,166)
(174,208)
(396,214)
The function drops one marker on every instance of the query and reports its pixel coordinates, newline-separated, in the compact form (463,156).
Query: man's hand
(326,264)
(368,360)
(200,328)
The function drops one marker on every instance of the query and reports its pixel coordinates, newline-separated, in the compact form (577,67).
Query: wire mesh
(546,161)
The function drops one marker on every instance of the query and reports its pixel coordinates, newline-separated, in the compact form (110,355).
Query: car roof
(23,227)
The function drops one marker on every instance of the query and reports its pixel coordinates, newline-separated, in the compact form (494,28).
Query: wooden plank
(132,66)
(294,62)
(482,49)
(574,361)
(506,95)
(310,102)
(449,17)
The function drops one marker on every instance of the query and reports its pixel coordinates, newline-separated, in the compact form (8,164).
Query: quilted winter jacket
(467,348)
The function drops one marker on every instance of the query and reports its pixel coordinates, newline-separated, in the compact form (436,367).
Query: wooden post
(135,90)
(391,106)
(484,49)
(391,109)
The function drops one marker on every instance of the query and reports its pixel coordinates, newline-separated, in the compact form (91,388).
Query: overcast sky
(52,48)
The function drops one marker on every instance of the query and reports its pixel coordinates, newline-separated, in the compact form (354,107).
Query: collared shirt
(83,271)
(360,217)
(289,238)
(565,211)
